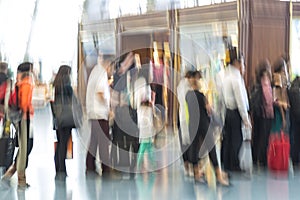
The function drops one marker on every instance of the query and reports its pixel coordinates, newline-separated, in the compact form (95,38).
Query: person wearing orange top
(21,99)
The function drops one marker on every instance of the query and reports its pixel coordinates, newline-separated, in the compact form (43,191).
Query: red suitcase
(278,152)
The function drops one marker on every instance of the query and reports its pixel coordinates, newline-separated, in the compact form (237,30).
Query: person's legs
(135,148)
(193,155)
(56,157)
(150,150)
(213,156)
(233,135)
(91,154)
(226,141)
(22,153)
(62,150)
(296,148)
(264,140)
(222,178)
(261,131)
(103,145)
(236,141)
(141,152)
(256,139)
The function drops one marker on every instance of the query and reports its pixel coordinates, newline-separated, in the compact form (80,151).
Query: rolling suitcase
(278,152)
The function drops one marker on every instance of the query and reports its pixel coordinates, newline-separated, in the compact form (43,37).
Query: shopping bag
(245,157)
(278,152)
(70,148)
(247,132)
(1,127)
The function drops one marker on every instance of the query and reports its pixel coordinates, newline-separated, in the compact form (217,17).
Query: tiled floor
(167,183)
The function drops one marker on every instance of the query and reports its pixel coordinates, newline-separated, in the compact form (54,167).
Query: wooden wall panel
(265,32)
(137,43)
(267,42)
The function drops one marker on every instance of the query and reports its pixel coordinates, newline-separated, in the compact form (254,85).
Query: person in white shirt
(98,110)
(237,106)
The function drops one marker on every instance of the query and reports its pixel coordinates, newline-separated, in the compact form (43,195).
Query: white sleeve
(239,97)
(101,84)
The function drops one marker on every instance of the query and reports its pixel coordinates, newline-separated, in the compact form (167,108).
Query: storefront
(205,34)
(196,38)
(168,43)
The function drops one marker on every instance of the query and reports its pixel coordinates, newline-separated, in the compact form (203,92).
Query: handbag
(278,152)
(7,149)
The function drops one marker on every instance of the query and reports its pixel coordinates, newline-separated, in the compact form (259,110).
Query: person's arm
(281,107)
(101,96)
(126,63)
(207,106)
(100,87)
(238,94)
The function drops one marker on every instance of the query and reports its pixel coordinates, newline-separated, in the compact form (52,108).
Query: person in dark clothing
(261,107)
(199,120)
(63,95)
(294,97)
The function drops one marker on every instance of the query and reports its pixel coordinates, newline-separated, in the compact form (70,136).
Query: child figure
(147,131)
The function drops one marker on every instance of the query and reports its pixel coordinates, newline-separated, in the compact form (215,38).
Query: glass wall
(203,46)
(15,23)
(41,31)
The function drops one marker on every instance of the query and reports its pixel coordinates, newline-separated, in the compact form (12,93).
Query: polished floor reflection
(167,183)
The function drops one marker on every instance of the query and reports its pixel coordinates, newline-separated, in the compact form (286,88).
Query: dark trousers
(296,141)
(261,133)
(232,140)
(193,149)
(63,135)
(213,156)
(99,139)
(207,144)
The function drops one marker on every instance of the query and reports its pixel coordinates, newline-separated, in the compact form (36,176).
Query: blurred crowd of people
(271,106)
